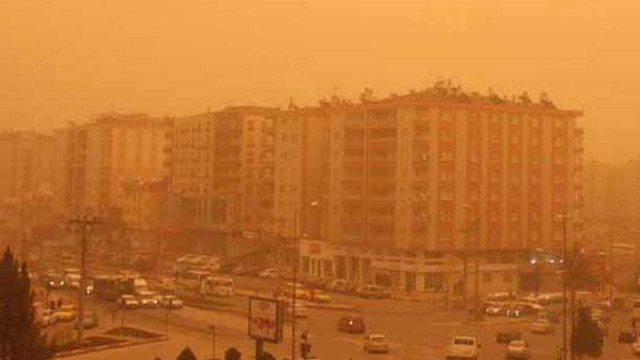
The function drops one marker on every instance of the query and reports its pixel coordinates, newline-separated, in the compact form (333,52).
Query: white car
(463,348)
(268,273)
(128,302)
(375,343)
(171,302)
(518,350)
(635,348)
(147,299)
(541,326)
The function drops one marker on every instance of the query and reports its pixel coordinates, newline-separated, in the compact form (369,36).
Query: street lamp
(296,260)
(564,218)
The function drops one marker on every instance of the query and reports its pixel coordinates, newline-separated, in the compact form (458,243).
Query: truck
(463,348)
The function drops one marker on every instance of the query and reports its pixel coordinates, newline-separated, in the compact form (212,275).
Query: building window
(506,277)
(433,282)
(486,278)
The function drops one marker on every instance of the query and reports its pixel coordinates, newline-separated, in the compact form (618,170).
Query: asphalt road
(414,331)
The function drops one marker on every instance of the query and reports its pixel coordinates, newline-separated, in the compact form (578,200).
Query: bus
(221,286)
(194,282)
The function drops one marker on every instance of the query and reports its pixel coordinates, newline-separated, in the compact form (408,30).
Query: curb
(496,323)
(109,347)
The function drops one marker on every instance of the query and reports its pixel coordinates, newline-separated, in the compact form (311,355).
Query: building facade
(222,171)
(423,186)
(443,171)
(95,159)
(26,159)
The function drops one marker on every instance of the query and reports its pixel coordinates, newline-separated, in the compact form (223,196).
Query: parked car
(627,337)
(505,337)
(227,268)
(320,296)
(635,348)
(240,270)
(171,302)
(128,302)
(496,310)
(372,292)
(341,286)
(351,325)
(269,273)
(541,327)
(518,350)
(463,348)
(147,299)
(375,343)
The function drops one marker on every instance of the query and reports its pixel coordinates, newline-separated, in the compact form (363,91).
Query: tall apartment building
(302,172)
(26,159)
(413,172)
(95,159)
(221,171)
(417,181)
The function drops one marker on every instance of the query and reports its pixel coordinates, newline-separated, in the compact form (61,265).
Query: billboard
(265,319)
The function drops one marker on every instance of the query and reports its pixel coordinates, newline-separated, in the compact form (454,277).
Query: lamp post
(296,261)
(564,218)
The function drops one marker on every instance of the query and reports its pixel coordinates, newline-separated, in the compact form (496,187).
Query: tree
(232,354)
(20,337)
(587,337)
(187,354)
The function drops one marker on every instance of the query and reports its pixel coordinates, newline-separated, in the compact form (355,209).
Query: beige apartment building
(26,159)
(301,172)
(95,159)
(418,181)
(222,173)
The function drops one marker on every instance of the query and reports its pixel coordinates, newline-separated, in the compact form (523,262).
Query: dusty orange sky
(70,60)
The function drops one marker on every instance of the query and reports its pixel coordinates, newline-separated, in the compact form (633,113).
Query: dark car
(351,325)
(505,337)
(227,268)
(627,337)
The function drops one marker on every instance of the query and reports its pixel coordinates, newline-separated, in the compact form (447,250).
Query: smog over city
(306,179)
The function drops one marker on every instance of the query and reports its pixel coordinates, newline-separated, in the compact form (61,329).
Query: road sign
(265,319)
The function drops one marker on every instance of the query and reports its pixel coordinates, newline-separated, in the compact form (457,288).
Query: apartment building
(26,159)
(222,171)
(301,172)
(96,158)
(418,181)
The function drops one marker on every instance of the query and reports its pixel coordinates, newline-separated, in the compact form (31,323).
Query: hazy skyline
(71,60)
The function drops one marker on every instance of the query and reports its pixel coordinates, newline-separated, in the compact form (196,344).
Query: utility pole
(83,226)
(610,271)
(564,286)
(296,254)
(476,303)
(213,341)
